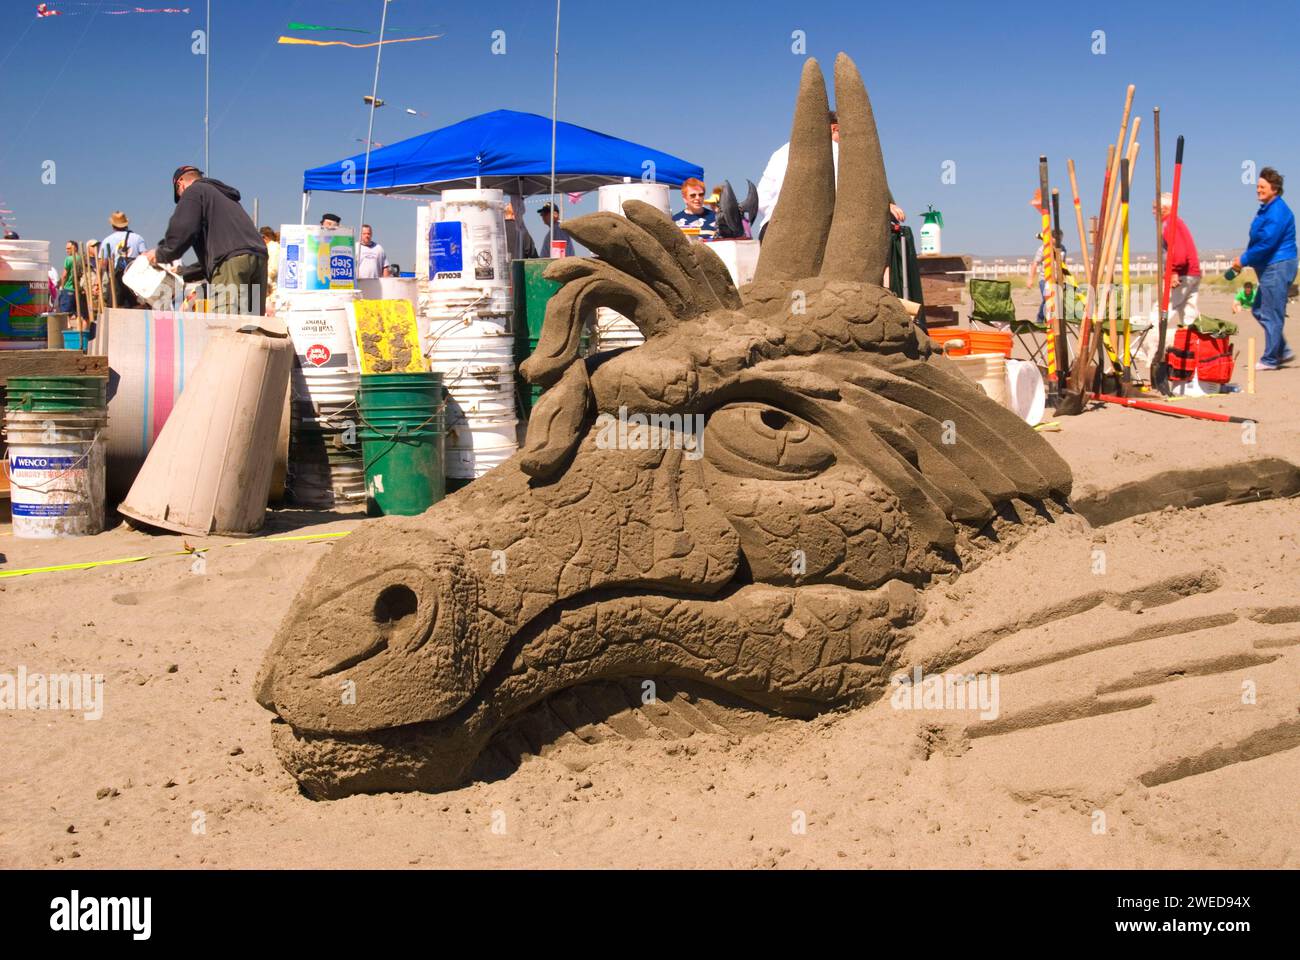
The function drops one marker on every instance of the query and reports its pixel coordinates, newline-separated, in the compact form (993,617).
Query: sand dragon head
(755,499)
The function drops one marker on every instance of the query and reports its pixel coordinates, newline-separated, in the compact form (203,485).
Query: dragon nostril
(395,604)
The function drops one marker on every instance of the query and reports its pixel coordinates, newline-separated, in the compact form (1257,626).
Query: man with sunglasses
(696,219)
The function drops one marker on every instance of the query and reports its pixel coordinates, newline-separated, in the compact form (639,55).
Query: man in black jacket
(231,251)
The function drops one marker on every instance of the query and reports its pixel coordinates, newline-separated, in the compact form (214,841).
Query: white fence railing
(1000,268)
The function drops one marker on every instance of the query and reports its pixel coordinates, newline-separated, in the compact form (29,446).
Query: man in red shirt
(1180,257)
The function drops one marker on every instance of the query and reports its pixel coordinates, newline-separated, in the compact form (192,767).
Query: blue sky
(116,102)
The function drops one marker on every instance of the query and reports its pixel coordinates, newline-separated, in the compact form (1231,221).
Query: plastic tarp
(505,150)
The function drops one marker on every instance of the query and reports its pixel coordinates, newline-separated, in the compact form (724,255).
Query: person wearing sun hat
(116,251)
(232,254)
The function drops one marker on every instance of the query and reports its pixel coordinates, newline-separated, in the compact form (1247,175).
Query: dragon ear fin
(730,225)
(555,426)
(750,207)
(561,337)
(669,236)
(718,275)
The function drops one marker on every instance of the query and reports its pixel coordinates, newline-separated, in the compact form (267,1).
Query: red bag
(1214,359)
(1208,359)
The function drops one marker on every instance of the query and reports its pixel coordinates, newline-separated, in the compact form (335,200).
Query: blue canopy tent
(505,150)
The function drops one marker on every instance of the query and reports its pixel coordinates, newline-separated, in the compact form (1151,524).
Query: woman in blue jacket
(1272,255)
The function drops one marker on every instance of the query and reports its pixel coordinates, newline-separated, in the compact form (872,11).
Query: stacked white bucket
(613,330)
(316,284)
(465,305)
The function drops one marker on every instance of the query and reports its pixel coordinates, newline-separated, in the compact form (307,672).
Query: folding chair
(991,305)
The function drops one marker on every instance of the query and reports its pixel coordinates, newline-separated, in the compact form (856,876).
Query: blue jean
(67,301)
(1270,310)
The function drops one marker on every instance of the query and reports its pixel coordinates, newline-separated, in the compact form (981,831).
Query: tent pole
(306,199)
(555,96)
(374,101)
(207,86)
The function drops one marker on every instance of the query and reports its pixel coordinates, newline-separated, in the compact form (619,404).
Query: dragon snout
(393,647)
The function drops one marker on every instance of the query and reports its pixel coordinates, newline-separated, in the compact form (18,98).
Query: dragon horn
(858,245)
(796,237)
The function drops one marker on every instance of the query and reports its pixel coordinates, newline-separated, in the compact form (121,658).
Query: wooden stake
(1078,216)
(1126,355)
(77,275)
(1108,263)
(1082,368)
(1081,364)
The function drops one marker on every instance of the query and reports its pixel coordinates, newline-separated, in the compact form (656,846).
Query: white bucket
(422,245)
(476,360)
(322,337)
(615,331)
(313,258)
(477,444)
(1026,393)
(740,258)
(609,198)
(159,288)
(24,293)
(465,246)
(989,370)
(463,464)
(56,473)
(479,344)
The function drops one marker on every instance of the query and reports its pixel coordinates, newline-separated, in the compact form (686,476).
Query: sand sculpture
(756,500)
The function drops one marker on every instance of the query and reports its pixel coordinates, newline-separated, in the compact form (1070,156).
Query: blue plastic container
(74,339)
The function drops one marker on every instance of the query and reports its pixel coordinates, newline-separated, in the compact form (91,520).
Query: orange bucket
(990,341)
(943,335)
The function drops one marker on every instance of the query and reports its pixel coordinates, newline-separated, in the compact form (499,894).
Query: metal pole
(374,100)
(207,89)
(555,96)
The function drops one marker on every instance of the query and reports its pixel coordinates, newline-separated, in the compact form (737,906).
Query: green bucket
(53,394)
(402,441)
(532,292)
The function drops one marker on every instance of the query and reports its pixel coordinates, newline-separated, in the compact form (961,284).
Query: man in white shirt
(371,259)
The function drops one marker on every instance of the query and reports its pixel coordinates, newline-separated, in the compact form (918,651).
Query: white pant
(1182,302)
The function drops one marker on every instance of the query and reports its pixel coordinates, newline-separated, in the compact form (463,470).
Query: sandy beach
(1147,714)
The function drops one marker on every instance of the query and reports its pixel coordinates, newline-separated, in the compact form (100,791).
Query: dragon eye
(755,440)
